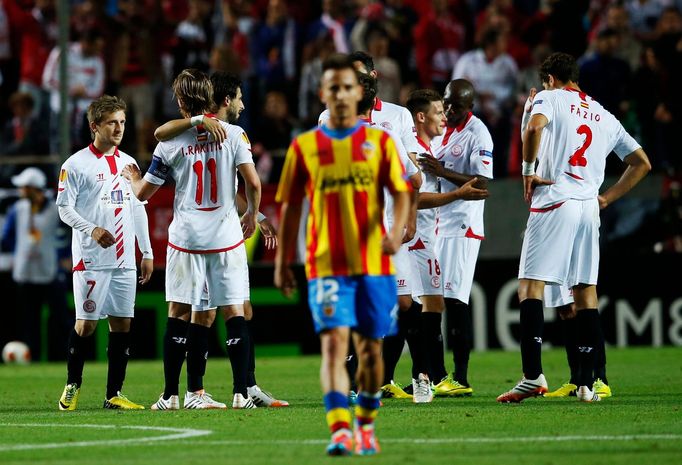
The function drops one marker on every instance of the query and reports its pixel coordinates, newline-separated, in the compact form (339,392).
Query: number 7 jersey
(205,218)
(580,134)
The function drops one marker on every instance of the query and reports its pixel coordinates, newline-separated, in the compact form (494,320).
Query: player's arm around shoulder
(175,127)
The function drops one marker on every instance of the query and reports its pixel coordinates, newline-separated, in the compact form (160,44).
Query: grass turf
(641,422)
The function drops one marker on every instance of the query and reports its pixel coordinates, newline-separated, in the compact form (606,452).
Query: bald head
(462,91)
(458,100)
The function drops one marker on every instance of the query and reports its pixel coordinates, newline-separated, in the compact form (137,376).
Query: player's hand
(103,237)
(131,172)
(248,221)
(215,128)
(410,230)
(468,191)
(603,203)
(285,280)
(430,165)
(391,243)
(567,312)
(146,268)
(528,106)
(530,183)
(269,233)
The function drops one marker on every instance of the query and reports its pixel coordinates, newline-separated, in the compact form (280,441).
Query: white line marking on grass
(474,440)
(177,433)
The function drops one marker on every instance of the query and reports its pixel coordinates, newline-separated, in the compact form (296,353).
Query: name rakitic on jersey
(198,149)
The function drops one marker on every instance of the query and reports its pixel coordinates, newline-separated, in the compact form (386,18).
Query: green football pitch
(641,423)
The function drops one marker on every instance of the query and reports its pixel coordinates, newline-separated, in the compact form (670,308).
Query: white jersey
(580,134)
(410,170)
(91,183)
(205,217)
(466,149)
(426,217)
(391,117)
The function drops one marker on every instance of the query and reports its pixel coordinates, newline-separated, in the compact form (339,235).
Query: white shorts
(101,293)
(426,268)
(458,256)
(404,272)
(222,273)
(204,306)
(557,296)
(562,245)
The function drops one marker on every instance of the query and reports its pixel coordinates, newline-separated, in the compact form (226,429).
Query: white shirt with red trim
(426,217)
(466,149)
(205,218)
(392,117)
(580,134)
(91,183)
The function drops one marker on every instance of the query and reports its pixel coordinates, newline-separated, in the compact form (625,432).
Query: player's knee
(85,328)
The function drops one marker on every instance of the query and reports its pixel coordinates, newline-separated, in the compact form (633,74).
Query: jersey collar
(378,104)
(424,145)
(95,151)
(464,123)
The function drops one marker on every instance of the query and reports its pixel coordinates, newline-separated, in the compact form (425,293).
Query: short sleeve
(543,104)
(481,157)
(294,176)
(407,132)
(242,146)
(395,179)
(160,167)
(625,143)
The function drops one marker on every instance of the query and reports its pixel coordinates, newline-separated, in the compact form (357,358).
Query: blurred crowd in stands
(630,55)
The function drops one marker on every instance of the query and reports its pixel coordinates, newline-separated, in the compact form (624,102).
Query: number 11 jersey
(205,218)
(580,134)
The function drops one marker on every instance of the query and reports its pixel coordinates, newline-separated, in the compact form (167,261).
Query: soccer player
(561,298)
(570,135)
(106,218)
(427,109)
(227,96)
(398,120)
(342,167)
(205,243)
(464,154)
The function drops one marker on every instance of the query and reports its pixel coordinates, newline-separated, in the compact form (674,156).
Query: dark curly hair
(560,65)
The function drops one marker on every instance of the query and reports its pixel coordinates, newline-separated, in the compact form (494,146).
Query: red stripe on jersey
(471,235)
(118,238)
(207,209)
(111,161)
(119,228)
(119,252)
(446,138)
(325,150)
(419,245)
(202,252)
(357,139)
(117,211)
(80,266)
(312,248)
(337,245)
(574,176)
(360,203)
(546,209)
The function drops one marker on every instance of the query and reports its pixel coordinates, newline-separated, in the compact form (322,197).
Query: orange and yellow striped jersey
(343,173)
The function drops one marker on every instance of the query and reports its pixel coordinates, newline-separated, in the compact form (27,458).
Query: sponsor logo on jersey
(117,196)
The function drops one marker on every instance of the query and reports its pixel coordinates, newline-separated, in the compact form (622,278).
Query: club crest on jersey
(89,306)
(387,125)
(456,150)
(368,150)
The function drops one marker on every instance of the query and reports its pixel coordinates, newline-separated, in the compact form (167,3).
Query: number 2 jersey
(205,217)
(580,134)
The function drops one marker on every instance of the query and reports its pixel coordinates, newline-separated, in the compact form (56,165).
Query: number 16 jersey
(205,218)
(580,134)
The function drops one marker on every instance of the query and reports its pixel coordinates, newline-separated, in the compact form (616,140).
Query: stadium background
(275,46)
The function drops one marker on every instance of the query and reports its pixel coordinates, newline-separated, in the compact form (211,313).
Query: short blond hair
(194,91)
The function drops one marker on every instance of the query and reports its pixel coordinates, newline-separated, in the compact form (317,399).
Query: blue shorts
(368,304)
